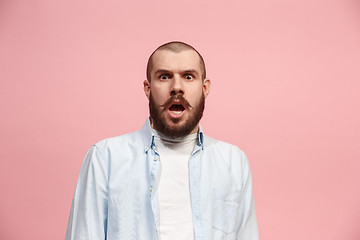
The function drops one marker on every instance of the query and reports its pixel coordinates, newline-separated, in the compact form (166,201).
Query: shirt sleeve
(248,229)
(88,214)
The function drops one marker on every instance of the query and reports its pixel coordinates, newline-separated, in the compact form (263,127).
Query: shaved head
(175,47)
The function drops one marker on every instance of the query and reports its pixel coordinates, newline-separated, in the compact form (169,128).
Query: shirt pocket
(226,213)
(220,235)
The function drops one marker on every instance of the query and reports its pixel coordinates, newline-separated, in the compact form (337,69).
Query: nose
(177,86)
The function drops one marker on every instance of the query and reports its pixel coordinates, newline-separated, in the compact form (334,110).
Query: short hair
(176,47)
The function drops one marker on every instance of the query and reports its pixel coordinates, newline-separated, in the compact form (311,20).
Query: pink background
(285,75)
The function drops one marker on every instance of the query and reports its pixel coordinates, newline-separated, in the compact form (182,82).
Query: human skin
(176,73)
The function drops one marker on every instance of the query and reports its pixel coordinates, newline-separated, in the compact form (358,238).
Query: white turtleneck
(173,190)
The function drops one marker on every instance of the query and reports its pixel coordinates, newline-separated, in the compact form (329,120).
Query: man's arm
(249,228)
(88,215)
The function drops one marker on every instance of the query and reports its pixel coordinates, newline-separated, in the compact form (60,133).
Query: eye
(164,77)
(189,77)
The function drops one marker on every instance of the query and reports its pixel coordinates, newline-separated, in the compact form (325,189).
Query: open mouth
(176,110)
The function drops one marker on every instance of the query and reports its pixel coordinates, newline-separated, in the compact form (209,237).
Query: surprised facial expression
(176,92)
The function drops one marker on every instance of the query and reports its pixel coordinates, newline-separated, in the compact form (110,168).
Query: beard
(159,122)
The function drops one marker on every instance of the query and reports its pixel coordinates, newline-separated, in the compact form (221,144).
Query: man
(168,180)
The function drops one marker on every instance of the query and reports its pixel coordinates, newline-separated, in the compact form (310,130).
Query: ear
(206,86)
(147,88)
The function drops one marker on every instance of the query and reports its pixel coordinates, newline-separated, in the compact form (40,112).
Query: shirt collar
(148,136)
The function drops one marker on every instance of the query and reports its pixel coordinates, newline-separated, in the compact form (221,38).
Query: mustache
(177,97)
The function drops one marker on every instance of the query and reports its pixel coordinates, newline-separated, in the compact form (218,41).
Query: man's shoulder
(220,153)
(215,144)
(128,139)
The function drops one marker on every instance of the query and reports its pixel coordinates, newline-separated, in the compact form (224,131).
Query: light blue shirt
(116,194)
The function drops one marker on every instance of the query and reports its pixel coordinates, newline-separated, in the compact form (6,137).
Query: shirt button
(156,158)
(150,189)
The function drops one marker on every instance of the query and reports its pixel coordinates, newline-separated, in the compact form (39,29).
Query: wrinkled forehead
(176,61)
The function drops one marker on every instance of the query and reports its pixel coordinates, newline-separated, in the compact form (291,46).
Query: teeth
(177,112)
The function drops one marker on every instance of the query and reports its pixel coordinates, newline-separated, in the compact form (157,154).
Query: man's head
(175,47)
(176,87)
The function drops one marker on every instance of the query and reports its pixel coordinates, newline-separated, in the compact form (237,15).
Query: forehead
(176,61)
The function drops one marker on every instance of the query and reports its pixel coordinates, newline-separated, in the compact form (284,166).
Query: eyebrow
(191,71)
(161,71)
(185,71)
